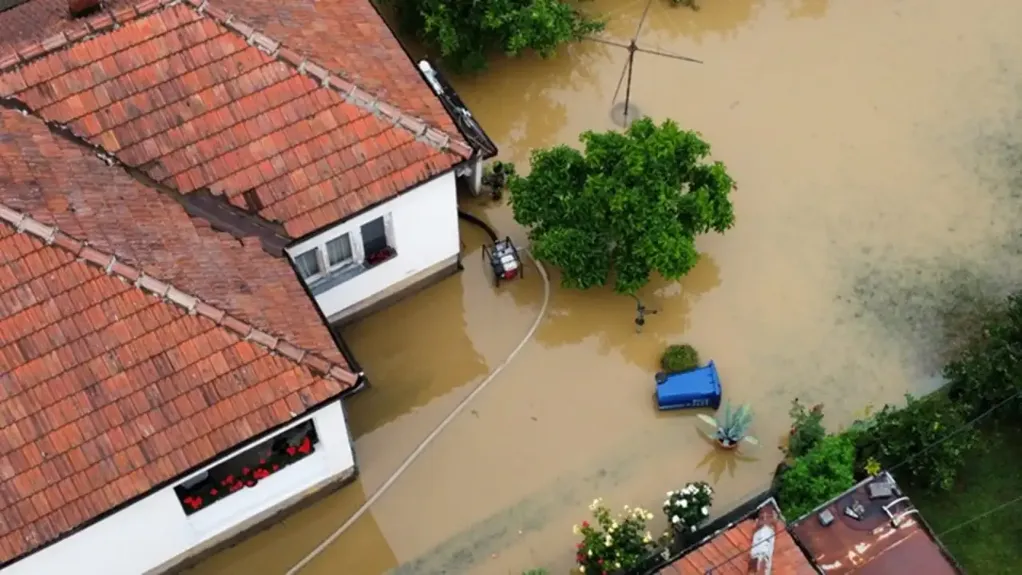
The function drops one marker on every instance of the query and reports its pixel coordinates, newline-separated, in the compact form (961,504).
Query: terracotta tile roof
(728,553)
(34,20)
(198,99)
(367,52)
(106,388)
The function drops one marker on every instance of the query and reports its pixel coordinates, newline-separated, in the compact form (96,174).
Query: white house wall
(154,531)
(424,224)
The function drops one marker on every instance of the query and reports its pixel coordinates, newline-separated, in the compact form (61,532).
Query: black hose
(479,223)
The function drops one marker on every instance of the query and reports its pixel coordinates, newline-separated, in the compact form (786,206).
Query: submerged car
(699,387)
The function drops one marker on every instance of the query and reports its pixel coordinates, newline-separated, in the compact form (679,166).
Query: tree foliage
(631,203)
(466,31)
(822,473)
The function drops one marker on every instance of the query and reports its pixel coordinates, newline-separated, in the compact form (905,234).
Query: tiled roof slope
(728,554)
(37,19)
(107,390)
(197,99)
(367,52)
(58,183)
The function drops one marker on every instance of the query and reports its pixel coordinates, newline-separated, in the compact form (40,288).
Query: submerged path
(439,428)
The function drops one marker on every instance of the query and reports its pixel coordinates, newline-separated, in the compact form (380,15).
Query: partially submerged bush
(689,507)
(986,372)
(927,435)
(806,428)
(824,472)
(611,544)
(679,358)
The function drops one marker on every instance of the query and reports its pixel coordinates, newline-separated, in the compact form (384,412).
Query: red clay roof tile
(198,99)
(109,385)
(728,553)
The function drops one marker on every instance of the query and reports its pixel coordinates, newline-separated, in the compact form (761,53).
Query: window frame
(247,468)
(352,259)
(319,264)
(356,242)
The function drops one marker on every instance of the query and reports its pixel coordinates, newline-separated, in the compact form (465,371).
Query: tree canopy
(466,31)
(631,203)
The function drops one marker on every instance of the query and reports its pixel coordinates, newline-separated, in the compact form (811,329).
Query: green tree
(466,31)
(824,472)
(630,204)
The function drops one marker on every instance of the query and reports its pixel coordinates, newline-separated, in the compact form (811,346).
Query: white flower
(706,510)
(670,493)
(608,541)
(594,504)
(575,529)
(590,552)
(693,528)
(667,502)
(647,537)
(617,565)
(581,568)
(683,503)
(675,519)
(649,516)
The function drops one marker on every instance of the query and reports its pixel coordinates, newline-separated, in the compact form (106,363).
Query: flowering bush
(689,507)
(611,544)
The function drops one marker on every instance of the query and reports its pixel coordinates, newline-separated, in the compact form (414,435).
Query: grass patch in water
(992,477)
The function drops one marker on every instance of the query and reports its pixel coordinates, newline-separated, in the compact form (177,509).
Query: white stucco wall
(154,531)
(424,223)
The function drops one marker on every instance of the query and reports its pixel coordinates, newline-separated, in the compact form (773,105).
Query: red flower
(250,483)
(291,450)
(585,524)
(262,462)
(212,491)
(260,473)
(306,446)
(275,467)
(599,561)
(580,557)
(579,546)
(244,471)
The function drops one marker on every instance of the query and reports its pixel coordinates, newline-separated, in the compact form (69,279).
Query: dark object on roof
(887,536)
(8,4)
(79,8)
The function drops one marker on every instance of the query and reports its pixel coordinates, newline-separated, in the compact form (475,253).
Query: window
(338,251)
(343,257)
(308,264)
(375,245)
(247,468)
(374,236)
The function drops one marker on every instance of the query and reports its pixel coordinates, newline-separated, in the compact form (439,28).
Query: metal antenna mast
(632,48)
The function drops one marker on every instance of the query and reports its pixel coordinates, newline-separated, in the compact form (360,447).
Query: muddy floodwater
(877,150)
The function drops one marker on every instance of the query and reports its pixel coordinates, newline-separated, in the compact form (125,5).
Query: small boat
(699,387)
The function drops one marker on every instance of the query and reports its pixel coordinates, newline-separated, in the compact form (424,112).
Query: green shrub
(988,370)
(926,436)
(806,428)
(539,571)
(678,358)
(823,473)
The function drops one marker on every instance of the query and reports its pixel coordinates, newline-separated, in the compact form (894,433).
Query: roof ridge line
(51,235)
(353,94)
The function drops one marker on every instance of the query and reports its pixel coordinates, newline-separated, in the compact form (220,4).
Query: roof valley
(231,219)
(23,223)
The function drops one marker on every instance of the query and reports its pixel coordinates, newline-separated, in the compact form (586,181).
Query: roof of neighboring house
(198,99)
(135,341)
(879,542)
(727,552)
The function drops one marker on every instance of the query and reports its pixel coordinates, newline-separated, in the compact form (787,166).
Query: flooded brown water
(879,184)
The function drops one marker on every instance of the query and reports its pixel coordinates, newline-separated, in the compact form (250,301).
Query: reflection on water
(876,147)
